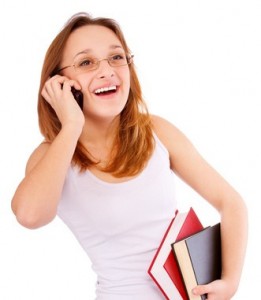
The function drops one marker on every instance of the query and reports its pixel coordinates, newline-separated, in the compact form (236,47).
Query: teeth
(105,89)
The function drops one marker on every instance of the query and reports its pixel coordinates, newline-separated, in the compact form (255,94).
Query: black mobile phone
(78,96)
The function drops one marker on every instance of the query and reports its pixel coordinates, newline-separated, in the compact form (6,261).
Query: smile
(106,90)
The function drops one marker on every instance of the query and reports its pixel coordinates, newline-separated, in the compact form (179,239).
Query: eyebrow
(88,50)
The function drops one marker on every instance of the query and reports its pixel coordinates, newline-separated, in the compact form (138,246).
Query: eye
(86,62)
(118,57)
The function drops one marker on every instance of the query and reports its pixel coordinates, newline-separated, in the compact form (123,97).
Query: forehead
(93,38)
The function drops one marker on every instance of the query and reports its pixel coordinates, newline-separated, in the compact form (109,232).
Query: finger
(51,87)
(202,289)
(58,81)
(67,85)
(77,85)
(45,95)
(55,84)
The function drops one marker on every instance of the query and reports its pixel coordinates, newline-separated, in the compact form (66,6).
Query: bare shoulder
(37,155)
(168,133)
(160,125)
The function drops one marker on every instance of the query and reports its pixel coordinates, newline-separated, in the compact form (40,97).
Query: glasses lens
(118,60)
(86,64)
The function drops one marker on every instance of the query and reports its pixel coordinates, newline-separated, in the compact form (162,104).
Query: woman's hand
(57,92)
(216,290)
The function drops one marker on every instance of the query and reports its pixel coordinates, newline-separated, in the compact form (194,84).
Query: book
(164,269)
(199,258)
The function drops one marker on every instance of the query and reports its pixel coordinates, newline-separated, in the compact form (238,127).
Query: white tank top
(120,225)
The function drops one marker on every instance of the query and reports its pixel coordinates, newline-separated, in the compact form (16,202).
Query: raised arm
(194,170)
(36,198)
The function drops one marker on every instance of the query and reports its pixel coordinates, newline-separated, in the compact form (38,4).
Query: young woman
(107,168)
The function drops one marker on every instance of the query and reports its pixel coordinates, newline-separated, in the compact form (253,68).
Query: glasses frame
(129,58)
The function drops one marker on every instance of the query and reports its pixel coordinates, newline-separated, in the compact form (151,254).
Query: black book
(199,258)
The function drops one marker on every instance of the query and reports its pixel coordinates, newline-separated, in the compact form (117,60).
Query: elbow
(29,221)
(30,218)
(235,205)
(240,205)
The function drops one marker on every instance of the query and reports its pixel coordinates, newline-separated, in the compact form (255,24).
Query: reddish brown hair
(133,143)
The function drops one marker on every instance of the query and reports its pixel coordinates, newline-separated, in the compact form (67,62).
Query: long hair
(133,142)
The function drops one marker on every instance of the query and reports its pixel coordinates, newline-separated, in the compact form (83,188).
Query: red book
(164,269)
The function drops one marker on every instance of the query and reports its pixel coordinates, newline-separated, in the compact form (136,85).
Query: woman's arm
(36,198)
(195,171)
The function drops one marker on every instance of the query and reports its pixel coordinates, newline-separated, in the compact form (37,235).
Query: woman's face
(97,42)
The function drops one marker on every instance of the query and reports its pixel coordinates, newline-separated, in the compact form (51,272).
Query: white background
(200,67)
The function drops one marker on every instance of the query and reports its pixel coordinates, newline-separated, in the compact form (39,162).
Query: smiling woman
(84,63)
(107,170)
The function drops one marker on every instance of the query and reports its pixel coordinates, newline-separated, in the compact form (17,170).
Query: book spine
(182,255)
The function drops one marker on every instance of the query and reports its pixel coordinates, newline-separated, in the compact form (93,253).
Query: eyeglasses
(87,64)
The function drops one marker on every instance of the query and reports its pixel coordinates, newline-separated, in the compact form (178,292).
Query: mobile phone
(78,96)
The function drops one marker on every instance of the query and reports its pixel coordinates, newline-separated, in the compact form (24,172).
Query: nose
(104,69)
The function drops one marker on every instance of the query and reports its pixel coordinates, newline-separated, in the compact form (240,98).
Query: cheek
(83,80)
(126,79)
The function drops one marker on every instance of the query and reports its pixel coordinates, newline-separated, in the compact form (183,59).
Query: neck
(99,133)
